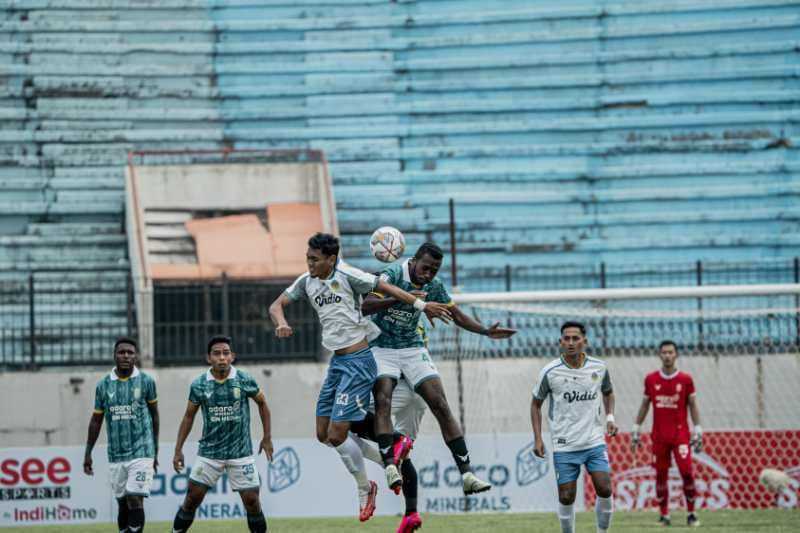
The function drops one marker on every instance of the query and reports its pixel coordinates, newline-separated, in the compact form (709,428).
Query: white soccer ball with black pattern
(387,244)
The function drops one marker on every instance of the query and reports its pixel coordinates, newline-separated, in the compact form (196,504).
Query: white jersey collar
(231,374)
(668,376)
(114,377)
(406,273)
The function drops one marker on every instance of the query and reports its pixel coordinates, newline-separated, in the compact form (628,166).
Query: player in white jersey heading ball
(579,387)
(335,290)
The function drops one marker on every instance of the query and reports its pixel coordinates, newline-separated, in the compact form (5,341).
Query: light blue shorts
(346,391)
(568,464)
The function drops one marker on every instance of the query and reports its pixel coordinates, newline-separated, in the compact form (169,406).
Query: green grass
(772,520)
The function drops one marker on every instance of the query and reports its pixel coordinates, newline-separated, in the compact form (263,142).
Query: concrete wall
(44,408)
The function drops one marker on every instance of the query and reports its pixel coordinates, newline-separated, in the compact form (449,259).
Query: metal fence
(47,319)
(187,314)
(603,275)
(47,323)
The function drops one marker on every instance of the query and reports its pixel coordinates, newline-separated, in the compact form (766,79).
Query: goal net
(740,343)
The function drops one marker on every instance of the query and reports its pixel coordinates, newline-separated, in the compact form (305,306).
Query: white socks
(353,460)
(566,515)
(603,508)
(368,449)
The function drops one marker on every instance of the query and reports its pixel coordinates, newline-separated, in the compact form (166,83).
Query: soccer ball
(774,480)
(387,244)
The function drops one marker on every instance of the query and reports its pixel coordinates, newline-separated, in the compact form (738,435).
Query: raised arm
(376,302)
(465,321)
(432,309)
(266,424)
(282,327)
(183,433)
(95,424)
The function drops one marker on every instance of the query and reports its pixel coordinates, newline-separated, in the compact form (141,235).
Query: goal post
(740,342)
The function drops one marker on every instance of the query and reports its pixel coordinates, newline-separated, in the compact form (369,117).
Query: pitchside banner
(48,486)
(726,471)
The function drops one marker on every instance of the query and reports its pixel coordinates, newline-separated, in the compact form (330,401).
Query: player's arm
(431,309)
(536,423)
(266,424)
(183,433)
(152,407)
(376,302)
(463,320)
(697,431)
(282,327)
(609,404)
(95,424)
(540,393)
(637,424)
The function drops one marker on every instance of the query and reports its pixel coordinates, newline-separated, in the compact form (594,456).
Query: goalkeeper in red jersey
(671,392)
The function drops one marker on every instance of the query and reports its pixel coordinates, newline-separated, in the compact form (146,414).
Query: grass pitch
(772,520)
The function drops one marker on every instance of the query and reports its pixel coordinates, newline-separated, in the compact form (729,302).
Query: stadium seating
(567,133)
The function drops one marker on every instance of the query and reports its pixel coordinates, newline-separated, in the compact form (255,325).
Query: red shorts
(681,451)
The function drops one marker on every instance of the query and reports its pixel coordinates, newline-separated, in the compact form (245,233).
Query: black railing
(50,319)
(610,275)
(187,314)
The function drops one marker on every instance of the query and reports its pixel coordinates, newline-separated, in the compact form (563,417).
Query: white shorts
(242,472)
(408,408)
(132,478)
(414,364)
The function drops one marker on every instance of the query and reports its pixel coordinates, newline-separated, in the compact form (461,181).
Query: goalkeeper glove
(635,437)
(696,442)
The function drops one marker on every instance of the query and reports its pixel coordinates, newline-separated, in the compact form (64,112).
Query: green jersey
(123,402)
(400,324)
(226,414)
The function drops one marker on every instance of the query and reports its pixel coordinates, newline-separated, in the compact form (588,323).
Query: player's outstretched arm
(376,302)
(95,424)
(637,424)
(266,424)
(183,433)
(282,327)
(465,321)
(432,309)
(536,423)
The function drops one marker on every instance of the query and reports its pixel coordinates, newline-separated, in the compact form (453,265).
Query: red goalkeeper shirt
(670,397)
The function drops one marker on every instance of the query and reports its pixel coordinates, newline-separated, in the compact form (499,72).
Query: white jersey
(575,410)
(337,301)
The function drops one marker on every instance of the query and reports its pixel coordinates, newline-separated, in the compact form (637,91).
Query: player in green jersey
(400,350)
(126,399)
(223,392)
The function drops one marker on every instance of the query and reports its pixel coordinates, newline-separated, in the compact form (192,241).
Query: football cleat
(692,520)
(410,522)
(401,449)
(473,485)
(366,501)
(664,521)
